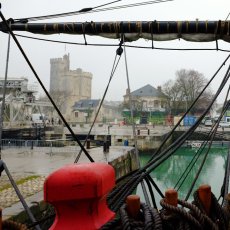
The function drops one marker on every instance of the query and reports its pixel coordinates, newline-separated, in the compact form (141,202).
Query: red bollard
(78,193)
(205,196)
(171,197)
(133,205)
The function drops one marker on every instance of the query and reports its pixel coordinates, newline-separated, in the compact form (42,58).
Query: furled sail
(197,31)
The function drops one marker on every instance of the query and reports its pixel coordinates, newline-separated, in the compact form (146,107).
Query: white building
(147,98)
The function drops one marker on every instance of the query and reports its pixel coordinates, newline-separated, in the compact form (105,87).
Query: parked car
(224,124)
(208,123)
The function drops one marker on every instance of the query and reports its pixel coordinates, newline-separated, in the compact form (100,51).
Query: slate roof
(86,104)
(148,90)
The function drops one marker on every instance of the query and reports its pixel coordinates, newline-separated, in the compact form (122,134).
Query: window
(91,104)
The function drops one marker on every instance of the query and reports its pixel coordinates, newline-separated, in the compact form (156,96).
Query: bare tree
(59,98)
(174,97)
(184,90)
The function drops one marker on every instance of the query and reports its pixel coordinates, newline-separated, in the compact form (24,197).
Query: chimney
(159,88)
(127,91)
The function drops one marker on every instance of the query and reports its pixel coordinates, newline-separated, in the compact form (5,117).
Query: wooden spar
(199,31)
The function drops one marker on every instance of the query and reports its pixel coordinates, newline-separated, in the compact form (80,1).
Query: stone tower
(58,68)
(74,84)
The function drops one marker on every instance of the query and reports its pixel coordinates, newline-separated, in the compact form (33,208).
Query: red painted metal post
(133,205)
(78,192)
(204,193)
(171,197)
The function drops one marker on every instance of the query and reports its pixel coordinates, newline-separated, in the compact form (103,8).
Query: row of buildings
(71,89)
(72,92)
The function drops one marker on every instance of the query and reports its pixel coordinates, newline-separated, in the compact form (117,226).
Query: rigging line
(198,154)
(17,191)
(101,102)
(227,16)
(43,87)
(151,192)
(201,149)
(190,107)
(191,163)
(111,45)
(4,93)
(138,176)
(164,155)
(82,11)
(133,125)
(225,186)
(91,10)
(205,157)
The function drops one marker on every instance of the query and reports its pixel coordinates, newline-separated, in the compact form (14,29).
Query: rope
(22,200)
(147,219)
(92,10)
(217,214)
(43,87)
(173,216)
(189,109)
(11,225)
(127,189)
(197,155)
(4,94)
(130,46)
(133,124)
(225,186)
(118,53)
(226,105)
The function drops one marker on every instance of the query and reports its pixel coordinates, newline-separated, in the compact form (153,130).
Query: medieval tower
(74,85)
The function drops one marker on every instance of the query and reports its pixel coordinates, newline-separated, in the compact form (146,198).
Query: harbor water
(169,172)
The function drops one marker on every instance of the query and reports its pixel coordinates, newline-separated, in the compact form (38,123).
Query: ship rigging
(199,31)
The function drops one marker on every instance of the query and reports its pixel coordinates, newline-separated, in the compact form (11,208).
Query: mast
(196,31)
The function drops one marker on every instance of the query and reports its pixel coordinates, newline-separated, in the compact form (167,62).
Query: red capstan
(78,193)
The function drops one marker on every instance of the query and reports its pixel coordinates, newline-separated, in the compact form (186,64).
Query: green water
(169,172)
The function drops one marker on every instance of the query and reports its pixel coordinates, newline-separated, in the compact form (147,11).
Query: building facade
(149,105)
(147,98)
(86,110)
(74,85)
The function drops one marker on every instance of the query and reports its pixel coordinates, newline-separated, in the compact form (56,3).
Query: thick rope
(147,219)
(11,225)
(217,214)
(171,214)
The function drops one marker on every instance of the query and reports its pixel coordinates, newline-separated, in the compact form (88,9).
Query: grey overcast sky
(145,66)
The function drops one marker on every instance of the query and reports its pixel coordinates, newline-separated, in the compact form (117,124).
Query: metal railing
(54,146)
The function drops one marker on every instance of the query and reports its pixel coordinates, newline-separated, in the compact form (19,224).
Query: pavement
(24,162)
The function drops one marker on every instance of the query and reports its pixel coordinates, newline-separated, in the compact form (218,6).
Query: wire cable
(118,196)
(4,93)
(114,45)
(91,10)
(133,125)
(189,109)
(43,87)
(115,64)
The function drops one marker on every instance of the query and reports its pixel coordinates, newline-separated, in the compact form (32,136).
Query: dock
(24,163)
